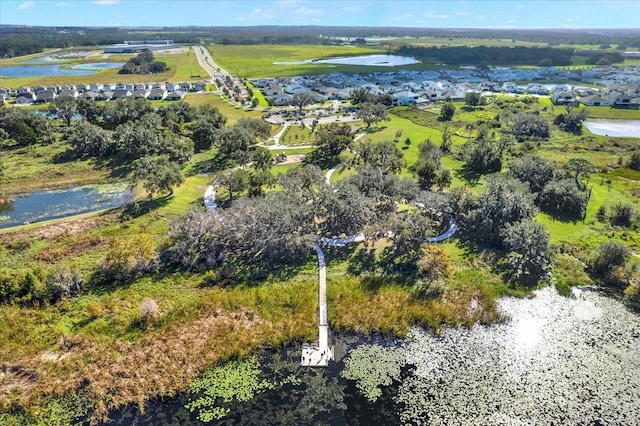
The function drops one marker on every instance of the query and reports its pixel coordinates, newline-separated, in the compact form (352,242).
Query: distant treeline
(22,40)
(482,55)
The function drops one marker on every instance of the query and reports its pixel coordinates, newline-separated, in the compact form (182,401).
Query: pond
(368,60)
(556,360)
(618,128)
(53,70)
(54,204)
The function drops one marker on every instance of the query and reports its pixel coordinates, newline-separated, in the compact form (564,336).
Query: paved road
(206,61)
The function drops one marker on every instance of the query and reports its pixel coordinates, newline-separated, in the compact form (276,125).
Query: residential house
(45,96)
(405,98)
(186,86)
(172,87)
(200,86)
(157,94)
(68,93)
(272,90)
(120,94)
(139,86)
(594,100)
(89,95)
(23,89)
(176,95)
(563,98)
(24,100)
(281,99)
(108,87)
(25,97)
(626,102)
(96,87)
(140,94)
(83,87)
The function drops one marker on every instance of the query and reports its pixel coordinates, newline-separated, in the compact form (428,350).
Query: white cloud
(26,5)
(262,14)
(572,20)
(462,13)
(105,2)
(403,17)
(433,14)
(351,9)
(63,4)
(511,21)
(307,12)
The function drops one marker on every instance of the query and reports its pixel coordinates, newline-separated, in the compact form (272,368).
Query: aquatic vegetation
(372,367)
(558,361)
(235,381)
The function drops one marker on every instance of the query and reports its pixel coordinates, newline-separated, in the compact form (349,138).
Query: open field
(254,61)
(182,67)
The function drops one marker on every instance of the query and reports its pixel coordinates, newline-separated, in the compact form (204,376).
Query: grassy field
(255,61)
(182,67)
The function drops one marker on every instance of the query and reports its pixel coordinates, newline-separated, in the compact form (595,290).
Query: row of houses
(425,87)
(108,91)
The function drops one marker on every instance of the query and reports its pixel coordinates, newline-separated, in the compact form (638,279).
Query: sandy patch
(291,159)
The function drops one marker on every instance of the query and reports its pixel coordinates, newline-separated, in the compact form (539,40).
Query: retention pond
(54,204)
(619,128)
(555,360)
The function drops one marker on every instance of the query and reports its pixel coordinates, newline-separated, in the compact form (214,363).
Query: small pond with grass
(554,360)
(55,204)
(618,128)
(367,60)
(54,70)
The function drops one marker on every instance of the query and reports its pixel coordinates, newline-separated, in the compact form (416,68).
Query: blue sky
(404,13)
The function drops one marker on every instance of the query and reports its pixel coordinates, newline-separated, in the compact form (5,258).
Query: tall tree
(534,170)
(301,100)
(234,181)
(580,167)
(157,174)
(472,99)
(64,108)
(383,155)
(447,111)
(529,243)
(372,113)
(361,95)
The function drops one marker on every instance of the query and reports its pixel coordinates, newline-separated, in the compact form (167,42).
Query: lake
(368,60)
(620,128)
(55,204)
(53,70)
(555,360)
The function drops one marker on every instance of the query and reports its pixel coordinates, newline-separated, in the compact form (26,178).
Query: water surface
(368,60)
(614,127)
(55,70)
(54,204)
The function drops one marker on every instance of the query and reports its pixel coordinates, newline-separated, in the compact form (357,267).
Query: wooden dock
(319,355)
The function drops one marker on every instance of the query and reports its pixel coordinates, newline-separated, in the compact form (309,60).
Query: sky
(401,13)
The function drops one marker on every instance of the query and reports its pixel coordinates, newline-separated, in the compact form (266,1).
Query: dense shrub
(609,255)
(21,286)
(63,282)
(563,198)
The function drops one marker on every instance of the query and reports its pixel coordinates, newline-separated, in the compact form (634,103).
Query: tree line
(485,56)
(24,40)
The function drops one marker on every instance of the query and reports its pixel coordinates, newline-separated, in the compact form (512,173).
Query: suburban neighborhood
(619,87)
